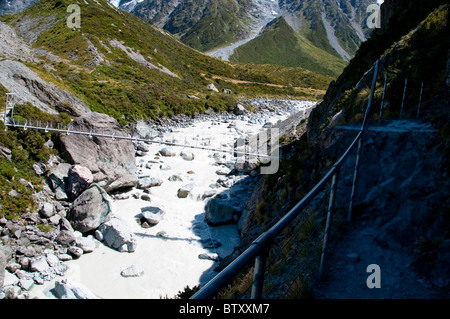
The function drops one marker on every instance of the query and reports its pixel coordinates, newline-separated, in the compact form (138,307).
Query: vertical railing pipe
(420,100)
(258,276)
(360,142)
(403,99)
(326,238)
(382,99)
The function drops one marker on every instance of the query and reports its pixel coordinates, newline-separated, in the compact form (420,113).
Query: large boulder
(145,130)
(117,234)
(221,211)
(147,182)
(65,237)
(239,110)
(47,210)
(87,244)
(57,179)
(167,152)
(112,162)
(39,264)
(187,156)
(90,209)
(78,180)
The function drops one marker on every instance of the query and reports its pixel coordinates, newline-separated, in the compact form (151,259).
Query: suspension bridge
(267,144)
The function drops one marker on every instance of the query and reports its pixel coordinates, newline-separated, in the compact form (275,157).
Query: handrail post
(360,142)
(403,99)
(334,184)
(382,99)
(258,275)
(355,178)
(420,100)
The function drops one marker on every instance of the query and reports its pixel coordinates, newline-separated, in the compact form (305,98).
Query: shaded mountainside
(400,217)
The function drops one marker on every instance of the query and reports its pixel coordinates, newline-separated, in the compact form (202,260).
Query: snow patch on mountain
(126,5)
(139,58)
(333,39)
(263,12)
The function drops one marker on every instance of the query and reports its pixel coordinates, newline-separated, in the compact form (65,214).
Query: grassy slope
(222,24)
(279,44)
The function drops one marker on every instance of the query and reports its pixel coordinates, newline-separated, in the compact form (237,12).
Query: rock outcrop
(30,88)
(220,210)
(112,162)
(79,178)
(11,7)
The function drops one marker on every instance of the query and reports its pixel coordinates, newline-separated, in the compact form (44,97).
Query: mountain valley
(152,100)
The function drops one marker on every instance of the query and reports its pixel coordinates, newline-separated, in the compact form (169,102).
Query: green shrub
(188,292)
(44,227)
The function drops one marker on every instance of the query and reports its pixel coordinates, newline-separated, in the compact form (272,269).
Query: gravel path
(347,274)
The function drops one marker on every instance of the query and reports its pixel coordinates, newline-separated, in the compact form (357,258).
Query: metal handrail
(114,136)
(261,244)
(258,249)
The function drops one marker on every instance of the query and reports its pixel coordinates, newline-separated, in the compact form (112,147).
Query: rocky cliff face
(154,11)
(29,87)
(400,218)
(388,9)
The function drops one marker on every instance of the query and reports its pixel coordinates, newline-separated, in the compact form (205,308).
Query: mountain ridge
(337,28)
(218,27)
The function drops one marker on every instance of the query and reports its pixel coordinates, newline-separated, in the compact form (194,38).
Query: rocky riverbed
(143,226)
